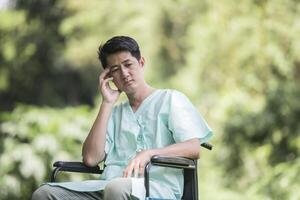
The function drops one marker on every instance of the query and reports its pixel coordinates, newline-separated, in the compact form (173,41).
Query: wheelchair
(189,166)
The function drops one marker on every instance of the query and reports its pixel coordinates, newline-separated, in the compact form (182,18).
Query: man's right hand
(109,95)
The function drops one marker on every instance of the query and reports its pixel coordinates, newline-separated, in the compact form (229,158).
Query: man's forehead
(119,58)
(118,62)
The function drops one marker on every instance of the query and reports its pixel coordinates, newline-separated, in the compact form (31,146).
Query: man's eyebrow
(124,61)
(127,60)
(112,66)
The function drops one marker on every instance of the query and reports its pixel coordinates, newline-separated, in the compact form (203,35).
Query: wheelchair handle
(207,146)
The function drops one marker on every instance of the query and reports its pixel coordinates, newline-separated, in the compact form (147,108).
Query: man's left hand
(137,164)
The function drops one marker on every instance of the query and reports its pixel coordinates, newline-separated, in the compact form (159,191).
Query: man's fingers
(103,74)
(142,168)
(104,82)
(136,170)
(128,170)
(107,80)
(125,173)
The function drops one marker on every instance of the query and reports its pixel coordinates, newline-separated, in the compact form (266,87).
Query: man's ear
(142,62)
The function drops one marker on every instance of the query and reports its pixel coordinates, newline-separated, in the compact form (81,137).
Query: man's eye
(128,65)
(114,69)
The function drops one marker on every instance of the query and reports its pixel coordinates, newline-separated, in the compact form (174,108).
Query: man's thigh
(59,193)
(118,189)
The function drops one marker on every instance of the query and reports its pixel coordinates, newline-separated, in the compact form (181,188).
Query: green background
(238,61)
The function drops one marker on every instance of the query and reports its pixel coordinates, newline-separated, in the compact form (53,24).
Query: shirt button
(140,121)
(140,137)
(139,150)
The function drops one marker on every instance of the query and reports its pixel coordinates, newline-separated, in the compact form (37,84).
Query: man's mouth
(128,82)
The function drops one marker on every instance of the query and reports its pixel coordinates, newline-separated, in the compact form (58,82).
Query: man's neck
(137,98)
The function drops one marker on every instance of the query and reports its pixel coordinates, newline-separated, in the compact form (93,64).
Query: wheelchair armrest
(174,162)
(68,166)
(207,145)
(167,161)
(189,166)
(177,162)
(77,167)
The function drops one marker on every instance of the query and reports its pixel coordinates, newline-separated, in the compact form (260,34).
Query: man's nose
(124,71)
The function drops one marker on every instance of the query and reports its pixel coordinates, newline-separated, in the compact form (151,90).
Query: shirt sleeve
(185,121)
(109,133)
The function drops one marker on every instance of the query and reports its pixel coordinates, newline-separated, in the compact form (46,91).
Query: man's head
(118,44)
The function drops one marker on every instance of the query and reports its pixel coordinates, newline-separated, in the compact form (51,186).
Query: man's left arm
(189,149)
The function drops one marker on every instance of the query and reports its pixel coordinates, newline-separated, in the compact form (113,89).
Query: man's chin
(129,90)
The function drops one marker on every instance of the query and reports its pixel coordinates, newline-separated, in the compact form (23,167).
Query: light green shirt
(165,117)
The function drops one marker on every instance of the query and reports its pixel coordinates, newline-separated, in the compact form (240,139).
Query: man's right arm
(94,145)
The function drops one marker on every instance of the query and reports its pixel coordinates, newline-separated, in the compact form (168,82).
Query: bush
(32,139)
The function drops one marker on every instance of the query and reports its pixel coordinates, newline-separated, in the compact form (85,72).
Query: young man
(152,122)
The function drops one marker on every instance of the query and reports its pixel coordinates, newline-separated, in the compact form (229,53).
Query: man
(152,122)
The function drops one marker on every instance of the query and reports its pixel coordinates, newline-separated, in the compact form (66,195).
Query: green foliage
(32,139)
(31,65)
(264,124)
(237,60)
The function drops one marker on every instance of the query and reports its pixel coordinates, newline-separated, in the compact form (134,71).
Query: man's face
(126,70)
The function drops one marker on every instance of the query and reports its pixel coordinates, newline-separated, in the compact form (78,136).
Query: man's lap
(119,188)
(60,193)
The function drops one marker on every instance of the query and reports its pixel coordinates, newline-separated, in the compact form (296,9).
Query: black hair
(118,44)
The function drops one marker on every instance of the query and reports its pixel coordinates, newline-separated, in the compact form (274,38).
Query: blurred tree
(238,61)
(262,126)
(34,71)
(29,145)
